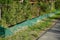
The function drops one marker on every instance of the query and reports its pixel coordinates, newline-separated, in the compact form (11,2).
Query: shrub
(13,11)
(57,4)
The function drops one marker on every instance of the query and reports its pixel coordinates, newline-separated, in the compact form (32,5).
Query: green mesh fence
(14,29)
(11,31)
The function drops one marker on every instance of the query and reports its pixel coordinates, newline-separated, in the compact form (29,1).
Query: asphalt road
(53,33)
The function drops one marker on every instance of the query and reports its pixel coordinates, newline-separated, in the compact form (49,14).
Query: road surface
(53,33)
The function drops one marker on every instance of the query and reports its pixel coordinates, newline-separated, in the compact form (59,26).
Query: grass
(31,33)
(56,16)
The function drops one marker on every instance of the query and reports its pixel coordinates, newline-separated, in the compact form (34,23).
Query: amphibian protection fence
(10,31)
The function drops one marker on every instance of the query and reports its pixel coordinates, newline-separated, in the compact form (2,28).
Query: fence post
(0,11)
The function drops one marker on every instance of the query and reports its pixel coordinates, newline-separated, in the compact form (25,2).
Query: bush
(57,4)
(13,11)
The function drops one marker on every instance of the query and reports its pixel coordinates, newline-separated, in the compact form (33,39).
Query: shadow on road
(56,30)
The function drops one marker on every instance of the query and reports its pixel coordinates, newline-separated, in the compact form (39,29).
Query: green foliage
(31,33)
(57,4)
(56,16)
(13,11)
